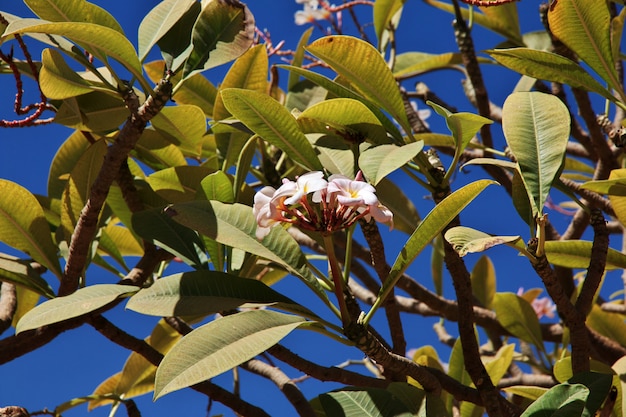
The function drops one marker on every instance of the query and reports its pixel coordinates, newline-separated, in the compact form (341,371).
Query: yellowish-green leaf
(100,41)
(83,301)
(410,64)
(483,278)
(21,273)
(577,253)
(93,112)
(536,127)
(221,345)
(585,28)
(466,240)
(346,55)
(549,66)
(405,215)
(26,301)
(379,161)
(562,369)
(178,184)
(184,125)
(157,151)
(73,11)
(616,187)
(386,17)
(57,80)
(618,202)
(158,22)
(518,317)
(23,226)
(270,120)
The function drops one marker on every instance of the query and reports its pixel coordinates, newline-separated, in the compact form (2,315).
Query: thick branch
(117,153)
(597,264)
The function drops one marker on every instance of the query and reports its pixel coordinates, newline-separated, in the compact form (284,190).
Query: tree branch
(117,153)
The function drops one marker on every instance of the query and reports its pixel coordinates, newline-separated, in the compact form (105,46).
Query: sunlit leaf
(159,21)
(548,66)
(536,127)
(219,346)
(615,186)
(379,161)
(154,150)
(463,126)
(386,17)
(100,41)
(611,325)
(178,184)
(73,11)
(27,299)
(405,215)
(517,316)
(223,31)
(585,28)
(348,118)
(23,226)
(466,240)
(577,253)
(618,202)
(410,64)
(57,80)
(346,54)
(83,301)
(273,122)
(341,91)
(201,293)
(427,230)
(93,112)
(297,60)
(184,125)
(234,225)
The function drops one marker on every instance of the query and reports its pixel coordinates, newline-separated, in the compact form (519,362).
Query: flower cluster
(311,12)
(313,203)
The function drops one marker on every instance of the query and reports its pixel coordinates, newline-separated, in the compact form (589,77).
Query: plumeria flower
(311,12)
(312,203)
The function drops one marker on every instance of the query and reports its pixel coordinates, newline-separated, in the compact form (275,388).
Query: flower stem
(337,277)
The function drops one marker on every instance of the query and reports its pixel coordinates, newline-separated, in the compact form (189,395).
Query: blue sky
(78,360)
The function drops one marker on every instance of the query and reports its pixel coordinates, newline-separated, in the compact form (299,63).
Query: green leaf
(222,32)
(178,184)
(618,202)
(346,54)
(342,91)
(466,240)
(611,325)
(366,402)
(66,158)
(615,186)
(73,11)
(484,281)
(536,127)
(270,120)
(154,150)
(184,125)
(379,161)
(577,253)
(20,272)
(100,41)
(57,80)
(463,126)
(158,22)
(201,293)
(498,366)
(548,66)
(410,64)
(234,225)
(386,16)
(585,28)
(344,117)
(23,226)
(219,346)
(175,44)
(83,301)
(177,239)
(518,317)
(249,72)
(562,400)
(298,58)
(217,186)
(428,229)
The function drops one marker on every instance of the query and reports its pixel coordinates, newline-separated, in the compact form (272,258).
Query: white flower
(306,184)
(311,12)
